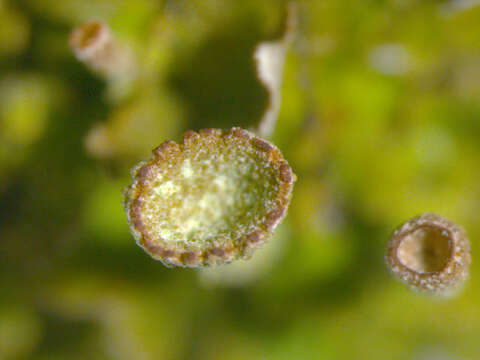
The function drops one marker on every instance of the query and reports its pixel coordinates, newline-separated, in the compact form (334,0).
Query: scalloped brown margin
(455,270)
(244,247)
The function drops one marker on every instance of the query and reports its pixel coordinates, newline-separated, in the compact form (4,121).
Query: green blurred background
(380,120)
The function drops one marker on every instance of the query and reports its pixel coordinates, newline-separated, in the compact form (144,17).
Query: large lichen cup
(209,200)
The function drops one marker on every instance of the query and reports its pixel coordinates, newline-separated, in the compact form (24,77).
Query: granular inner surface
(209,193)
(426,249)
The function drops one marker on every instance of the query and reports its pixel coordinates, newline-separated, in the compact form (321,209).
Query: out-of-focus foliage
(380,120)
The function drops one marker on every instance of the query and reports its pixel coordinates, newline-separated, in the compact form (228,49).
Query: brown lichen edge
(89,40)
(211,254)
(454,272)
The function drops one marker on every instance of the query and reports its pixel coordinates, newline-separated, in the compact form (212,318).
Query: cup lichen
(209,200)
(94,45)
(430,253)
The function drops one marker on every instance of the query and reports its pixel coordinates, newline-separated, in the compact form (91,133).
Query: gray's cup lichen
(430,253)
(209,200)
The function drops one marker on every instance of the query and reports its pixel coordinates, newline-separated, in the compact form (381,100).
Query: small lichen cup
(94,45)
(209,200)
(430,254)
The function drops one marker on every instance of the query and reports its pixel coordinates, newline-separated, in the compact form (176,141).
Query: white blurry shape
(244,272)
(389,59)
(270,58)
